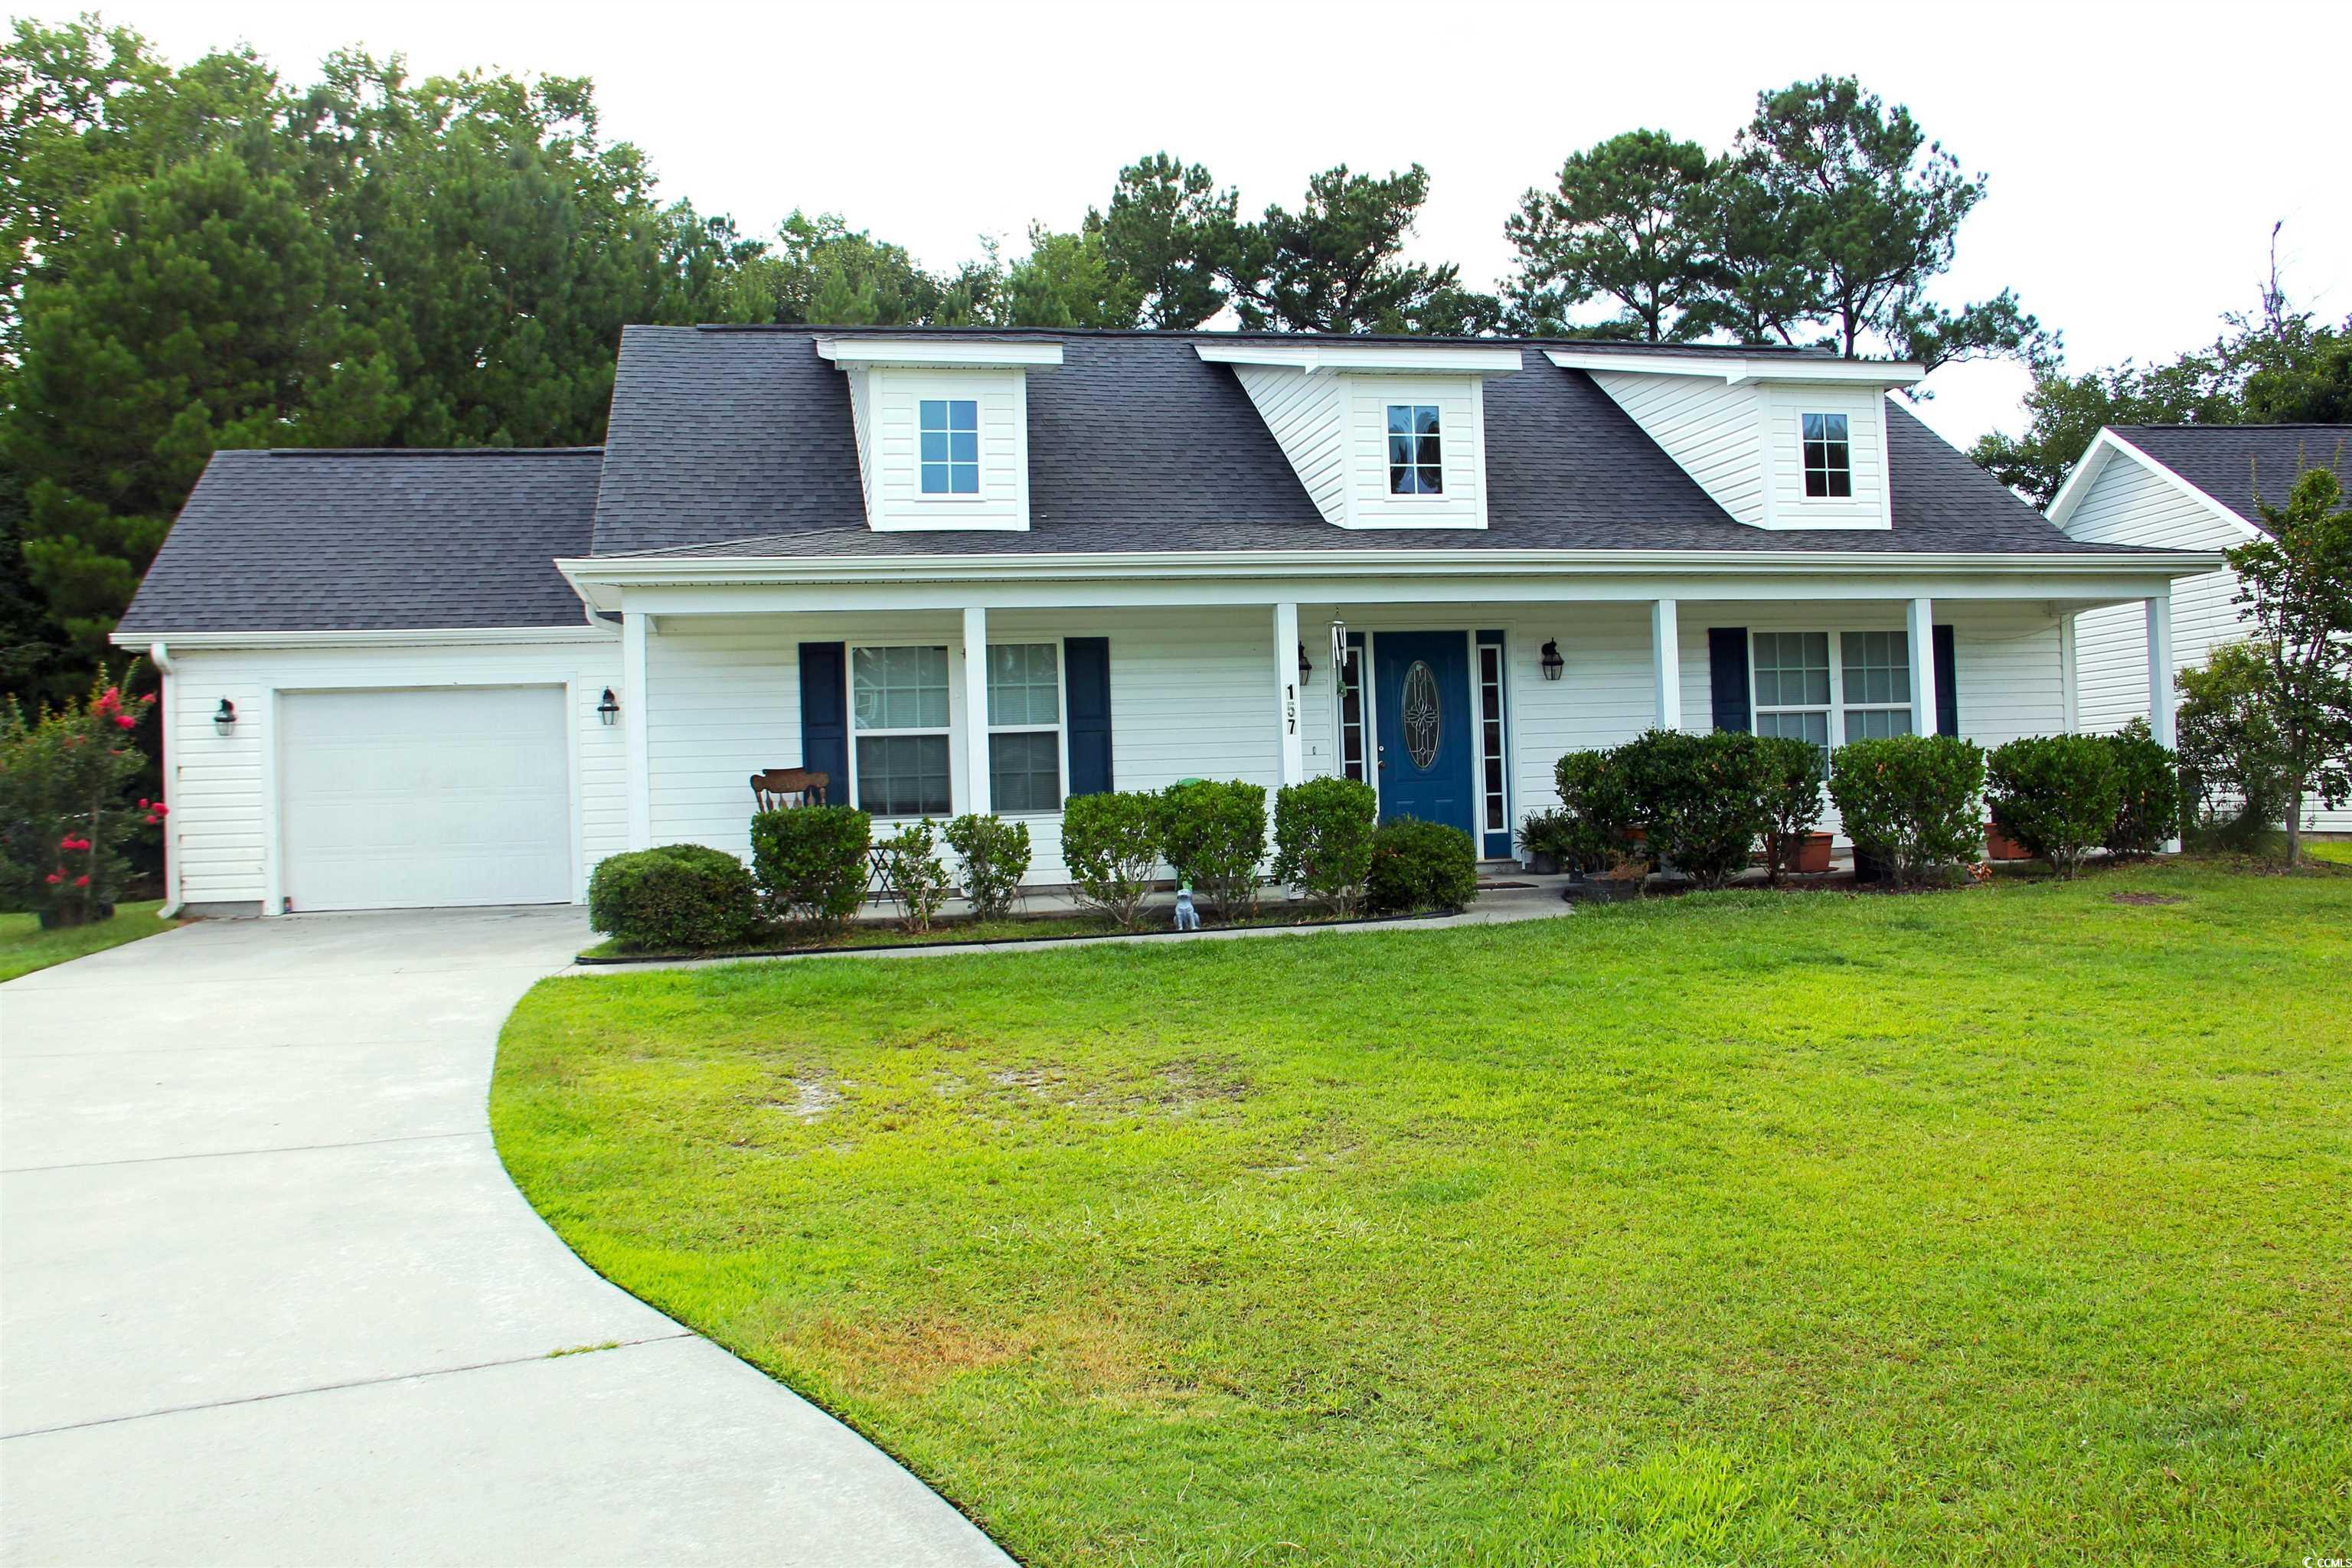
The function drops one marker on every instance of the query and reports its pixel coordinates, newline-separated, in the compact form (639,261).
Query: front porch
(1453,698)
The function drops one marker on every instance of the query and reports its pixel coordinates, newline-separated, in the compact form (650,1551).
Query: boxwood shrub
(1702,798)
(1111,844)
(1912,803)
(810,861)
(1214,836)
(679,897)
(2056,795)
(1420,866)
(1323,838)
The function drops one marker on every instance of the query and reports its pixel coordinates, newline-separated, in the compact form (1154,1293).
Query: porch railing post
(1286,692)
(1920,622)
(2162,726)
(975,710)
(1666,662)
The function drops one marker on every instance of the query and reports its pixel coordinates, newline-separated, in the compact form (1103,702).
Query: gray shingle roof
(340,540)
(741,440)
(2236,463)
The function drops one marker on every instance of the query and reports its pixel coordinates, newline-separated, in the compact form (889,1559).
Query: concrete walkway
(267,1295)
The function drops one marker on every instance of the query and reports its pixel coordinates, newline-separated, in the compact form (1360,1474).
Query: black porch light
(608,710)
(1551,661)
(225,717)
(1305,671)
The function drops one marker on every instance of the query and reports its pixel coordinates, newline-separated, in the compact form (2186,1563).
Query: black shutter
(825,716)
(1726,673)
(1087,673)
(1947,683)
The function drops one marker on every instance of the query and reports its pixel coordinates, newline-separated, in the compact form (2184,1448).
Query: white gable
(1326,406)
(892,380)
(2117,494)
(1735,425)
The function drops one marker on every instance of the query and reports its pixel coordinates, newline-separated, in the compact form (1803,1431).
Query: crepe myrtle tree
(2295,588)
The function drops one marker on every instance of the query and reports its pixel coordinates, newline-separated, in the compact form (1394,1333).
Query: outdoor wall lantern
(1552,663)
(225,717)
(1305,671)
(609,709)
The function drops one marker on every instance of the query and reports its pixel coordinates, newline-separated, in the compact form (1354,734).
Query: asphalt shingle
(2238,464)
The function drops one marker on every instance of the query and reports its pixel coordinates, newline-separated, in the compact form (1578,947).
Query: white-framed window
(902,744)
(1829,456)
(1791,672)
(948,429)
(1877,688)
(1024,728)
(1354,727)
(1495,810)
(1416,461)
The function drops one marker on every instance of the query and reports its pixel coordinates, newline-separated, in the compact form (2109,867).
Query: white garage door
(420,799)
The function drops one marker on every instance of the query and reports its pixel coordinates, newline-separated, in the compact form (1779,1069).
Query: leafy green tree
(1872,210)
(1168,238)
(1336,266)
(1758,288)
(1626,222)
(2229,744)
(1066,281)
(2295,587)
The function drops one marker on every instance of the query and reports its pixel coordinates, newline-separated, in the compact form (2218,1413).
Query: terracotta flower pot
(1999,845)
(1813,856)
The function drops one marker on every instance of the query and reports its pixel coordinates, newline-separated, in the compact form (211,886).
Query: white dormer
(1381,435)
(1781,442)
(942,428)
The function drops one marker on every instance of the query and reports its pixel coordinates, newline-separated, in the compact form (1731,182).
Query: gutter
(161,657)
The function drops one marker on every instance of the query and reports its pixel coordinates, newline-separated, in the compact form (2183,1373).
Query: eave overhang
(1742,370)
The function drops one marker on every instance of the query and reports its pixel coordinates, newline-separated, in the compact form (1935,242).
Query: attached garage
(418,799)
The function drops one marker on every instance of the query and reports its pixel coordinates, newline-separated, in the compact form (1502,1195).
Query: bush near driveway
(678,897)
(811,862)
(2000,1229)
(65,818)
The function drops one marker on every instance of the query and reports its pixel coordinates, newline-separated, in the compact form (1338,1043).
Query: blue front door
(1420,685)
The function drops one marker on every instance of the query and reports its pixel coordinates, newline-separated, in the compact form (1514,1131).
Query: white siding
(221,788)
(1302,412)
(1786,505)
(1461,406)
(889,449)
(1705,425)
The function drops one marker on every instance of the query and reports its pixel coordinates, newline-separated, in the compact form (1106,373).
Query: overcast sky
(2139,155)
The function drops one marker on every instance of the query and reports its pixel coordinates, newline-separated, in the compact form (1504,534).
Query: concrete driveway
(267,1295)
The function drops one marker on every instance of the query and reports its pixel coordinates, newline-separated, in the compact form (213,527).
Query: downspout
(161,657)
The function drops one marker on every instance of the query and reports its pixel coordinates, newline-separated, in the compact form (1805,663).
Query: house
(2180,487)
(972,570)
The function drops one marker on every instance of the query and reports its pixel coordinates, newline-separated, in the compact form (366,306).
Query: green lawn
(2012,1224)
(25,946)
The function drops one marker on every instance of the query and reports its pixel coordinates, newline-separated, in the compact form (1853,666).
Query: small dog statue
(1187,917)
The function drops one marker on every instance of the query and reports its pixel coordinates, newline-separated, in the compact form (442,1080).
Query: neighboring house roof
(314,539)
(2234,464)
(738,441)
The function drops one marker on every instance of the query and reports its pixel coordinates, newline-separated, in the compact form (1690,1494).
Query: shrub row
(1912,803)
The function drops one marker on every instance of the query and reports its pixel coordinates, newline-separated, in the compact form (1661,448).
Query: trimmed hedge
(1420,866)
(1701,797)
(1214,836)
(810,861)
(1323,838)
(1911,802)
(679,897)
(2056,795)
(2147,781)
(1111,844)
(1593,793)
(1790,771)
(995,858)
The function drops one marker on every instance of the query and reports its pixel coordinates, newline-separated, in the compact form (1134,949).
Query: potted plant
(1999,845)
(1548,839)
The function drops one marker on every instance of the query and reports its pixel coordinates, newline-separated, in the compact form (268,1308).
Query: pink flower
(153,819)
(143,803)
(56,877)
(126,720)
(163,810)
(82,881)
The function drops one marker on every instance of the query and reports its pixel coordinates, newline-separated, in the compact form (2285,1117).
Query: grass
(2336,852)
(2006,1225)
(25,946)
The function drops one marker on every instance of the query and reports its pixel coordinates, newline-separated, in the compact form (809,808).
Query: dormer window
(1829,456)
(950,431)
(1416,464)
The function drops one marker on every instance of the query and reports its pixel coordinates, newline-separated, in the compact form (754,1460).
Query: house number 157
(1290,709)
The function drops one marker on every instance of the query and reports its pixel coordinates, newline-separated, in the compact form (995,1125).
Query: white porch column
(1666,662)
(975,710)
(1920,622)
(1286,692)
(634,627)
(2160,696)
(2070,693)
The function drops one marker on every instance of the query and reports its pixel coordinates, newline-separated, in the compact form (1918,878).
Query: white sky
(2139,155)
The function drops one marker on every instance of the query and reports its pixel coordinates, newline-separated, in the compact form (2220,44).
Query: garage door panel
(393,799)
